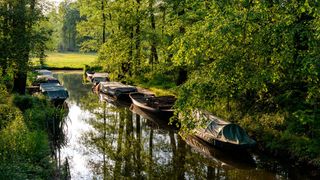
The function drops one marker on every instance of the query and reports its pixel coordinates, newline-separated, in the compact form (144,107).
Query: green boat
(222,134)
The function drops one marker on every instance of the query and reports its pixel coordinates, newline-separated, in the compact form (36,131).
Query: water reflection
(108,141)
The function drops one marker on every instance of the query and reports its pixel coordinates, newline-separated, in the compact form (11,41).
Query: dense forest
(256,63)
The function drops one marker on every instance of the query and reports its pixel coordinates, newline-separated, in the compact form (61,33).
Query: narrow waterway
(116,141)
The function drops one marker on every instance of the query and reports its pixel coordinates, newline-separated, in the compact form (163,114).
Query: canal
(117,141)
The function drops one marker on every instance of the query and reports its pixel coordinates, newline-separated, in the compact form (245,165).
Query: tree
(19,18)
(70,16)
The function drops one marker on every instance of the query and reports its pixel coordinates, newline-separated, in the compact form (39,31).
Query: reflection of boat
(240,160)
(221,133)
(161,104)
(116,90)
(112,100)
(161,120)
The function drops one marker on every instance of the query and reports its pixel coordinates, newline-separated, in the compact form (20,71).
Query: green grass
(68,60)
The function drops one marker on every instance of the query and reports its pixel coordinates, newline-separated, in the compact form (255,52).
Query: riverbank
(30,134)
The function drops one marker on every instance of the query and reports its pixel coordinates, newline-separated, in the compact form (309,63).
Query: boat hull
(225,145)
(164,112)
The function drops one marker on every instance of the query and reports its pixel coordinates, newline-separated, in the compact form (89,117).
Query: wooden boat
(89,75)
(99,77)
(44,72)
(116,90)
(161,104)
(55,93)
(48,86)
(222,134)
(45,79)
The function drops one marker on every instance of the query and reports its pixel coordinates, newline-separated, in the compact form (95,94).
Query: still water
(116,141)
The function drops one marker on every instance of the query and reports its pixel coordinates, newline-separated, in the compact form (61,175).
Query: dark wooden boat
(117,90)
(222,134)
(161,104)
(44,79)
(89,75)
(99,77)
(44,72)
(56,93)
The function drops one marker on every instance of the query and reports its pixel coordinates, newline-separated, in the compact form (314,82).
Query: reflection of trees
(131,146)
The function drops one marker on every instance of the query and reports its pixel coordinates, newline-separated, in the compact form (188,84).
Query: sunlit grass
(161,92)
(67,60)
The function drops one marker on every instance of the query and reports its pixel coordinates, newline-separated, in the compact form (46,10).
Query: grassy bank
(67,60)
(28,131)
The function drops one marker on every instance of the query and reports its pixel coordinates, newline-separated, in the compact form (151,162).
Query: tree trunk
(21,28)
(19,83)
(137,58)
(154,54)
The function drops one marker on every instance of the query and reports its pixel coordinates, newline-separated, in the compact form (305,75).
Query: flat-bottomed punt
(161,104)
(56,93)
(117,90)
(99,77)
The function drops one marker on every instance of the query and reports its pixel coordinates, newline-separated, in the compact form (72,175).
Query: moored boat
(56,93)
(161,104)
(89,75)
(116,89)
(99,77)
(44,72)
(45,79)
(222,134)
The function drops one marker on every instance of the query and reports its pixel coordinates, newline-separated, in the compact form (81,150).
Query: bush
(25,132)
(24,153)
(28,102)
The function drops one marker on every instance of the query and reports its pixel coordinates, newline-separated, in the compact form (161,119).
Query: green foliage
(255,61)
(30,129)
(70,16)
(251,62)
(24,153)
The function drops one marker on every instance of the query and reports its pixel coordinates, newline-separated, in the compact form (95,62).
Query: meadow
(56,60)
